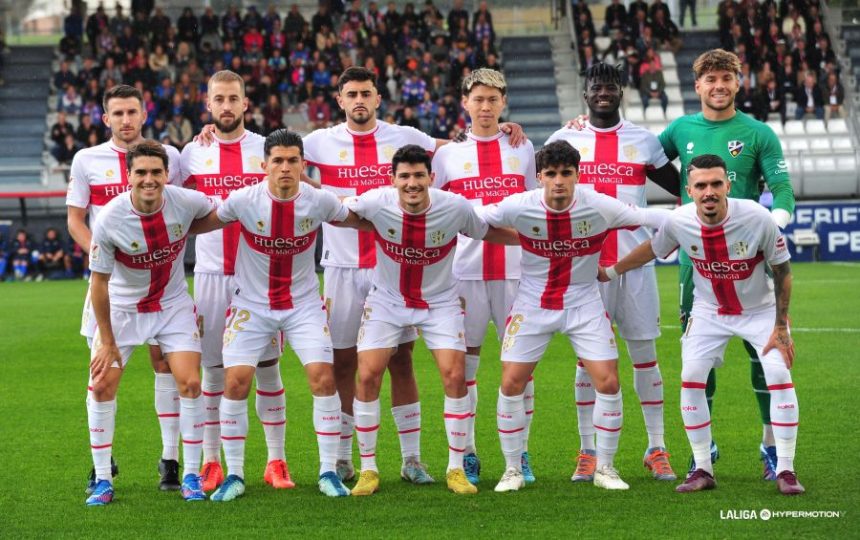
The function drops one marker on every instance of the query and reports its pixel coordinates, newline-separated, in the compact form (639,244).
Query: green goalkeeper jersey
(750,149)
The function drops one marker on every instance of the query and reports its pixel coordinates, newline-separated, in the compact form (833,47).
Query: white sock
(648,383)
(608,418)
(213,389)
(271,407)
(344,447)
(191,425)
(697,417)
(234,430)
(327,426)
(511,419)
(407,418)
(784,415)
(456,419)
(584,395)
(167,409)
(529,404)
(366,431)
(101,418)
(472,363)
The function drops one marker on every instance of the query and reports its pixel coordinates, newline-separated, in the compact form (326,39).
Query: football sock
(607,419)
(649,387)
(529,405)
(784,414)
(234,430)
(101,417)
(271,405)
(456,418)
(327,426)
(511,420)
(366,431)
(344,447)
(472,363)
(191,425)
(695,413)
(213,389)
(584,395)
(167,409)
(407,418)
(711,389)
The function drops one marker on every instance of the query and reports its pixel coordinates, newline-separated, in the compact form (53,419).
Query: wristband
(611,273)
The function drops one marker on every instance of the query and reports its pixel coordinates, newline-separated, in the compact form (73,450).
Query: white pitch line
(799,330)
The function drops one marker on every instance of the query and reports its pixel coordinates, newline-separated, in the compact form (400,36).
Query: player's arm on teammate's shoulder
(577,123)
(208,223)
(310,181)
(206,135)
(512,129)
(77,224)
(667,177)
(639,256)
(106,350)
(354,221)
(780,338)
(502,235)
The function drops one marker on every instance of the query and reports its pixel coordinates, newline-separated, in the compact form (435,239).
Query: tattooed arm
(780,338)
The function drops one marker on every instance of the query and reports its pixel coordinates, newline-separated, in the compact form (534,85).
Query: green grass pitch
(45,452)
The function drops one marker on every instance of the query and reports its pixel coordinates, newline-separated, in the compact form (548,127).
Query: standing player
(617,157)
(139,294)
(413,286)
(751,150)
(561,230)
(277,291)
(98,175)
(727,241)
(234,159)
(485,169)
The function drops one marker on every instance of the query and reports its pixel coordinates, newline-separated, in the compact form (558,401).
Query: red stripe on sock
(329,433)
(197,442)
(511,430)
(693,385)
(471,383)
(584,403)
(700,426)
(281,423)
(785,386)
(100,446)
(651,402)
(270,394)
(611,430)
(367,429)
(461,450)
(168,415)
(226,438)
(645,365)
(457,416)
(216,423)
(367,455)
(530,412)
(212,394)
(780,424)
(531,378)
(405,431)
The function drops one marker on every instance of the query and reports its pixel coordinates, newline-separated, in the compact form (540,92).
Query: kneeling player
(139,294)
(727,241)
(561,230)
(277,291)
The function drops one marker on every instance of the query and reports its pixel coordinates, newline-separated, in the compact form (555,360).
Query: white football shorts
(633,303)
(484,301)
(384,325)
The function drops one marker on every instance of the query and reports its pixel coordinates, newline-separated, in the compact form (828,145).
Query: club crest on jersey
(388,151)
(630,152)
(735,148)
(255,162)
(536,230)
(437,237)
(176,229)
(261,225)
(740,248)
(306,224)
(209,162)
(110,173)
(513,163)
(467,167)
(135,245)
(391,233)
(583,227)
(342,155)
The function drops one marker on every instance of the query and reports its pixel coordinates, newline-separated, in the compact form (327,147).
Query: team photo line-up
(434,238)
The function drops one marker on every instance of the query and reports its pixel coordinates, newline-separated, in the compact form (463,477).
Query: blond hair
(716,60)
(486,77)
(226,76)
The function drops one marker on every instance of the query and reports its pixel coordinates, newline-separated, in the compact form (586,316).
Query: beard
(231,127)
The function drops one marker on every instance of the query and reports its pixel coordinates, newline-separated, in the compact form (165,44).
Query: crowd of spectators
(24,259)
(290,64)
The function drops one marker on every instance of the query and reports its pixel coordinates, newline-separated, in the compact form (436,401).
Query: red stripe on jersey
(560,267)
(606,151)
(231,164)
(490,166)
(366,154)
(155,234)
(281,266)
(717,251)
(101,194)
(411,275)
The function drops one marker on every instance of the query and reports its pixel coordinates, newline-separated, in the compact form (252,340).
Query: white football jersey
(727,257)
(415,251)
(352,163)
(99,174)
(275,268)
(561,248)
(615,162)
(485,170)
(217,170)
(144,252)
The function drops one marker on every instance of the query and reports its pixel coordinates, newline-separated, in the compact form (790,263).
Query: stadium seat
(841,143)
(820,144)
(798,145)
(776,126)
(674,94)
(671,77)
(794,127)
(667,58)
(634,114)
(837,125)
(784,145)
(674,111)
(654,113)
(815,127)
(633,98)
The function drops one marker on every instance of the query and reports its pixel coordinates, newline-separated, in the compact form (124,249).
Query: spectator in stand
(4,257)
(665,32)
(21,255)
(231,24)
(442,124)
(615,17)
(52,257)
(691,5)
(77,261)
(319,111)
(159,62)
(159,24)
(70,102)
(745,99)
(97,24)
(413,89)
(86,128)
(179,130)
(482,29)
(73,34)
(61,128)
(273,115)
(64,77)
(66,150)
(835,95)
(809,97)
(293,22)
(583,23)
(406,117)
(652,85)
(772,100)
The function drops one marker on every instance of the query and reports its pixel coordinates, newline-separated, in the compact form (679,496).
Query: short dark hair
(285,138)
(707,161)
(555,154)
(602,72)
(412,154)
(121,91)
(355,73)
(147,147)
